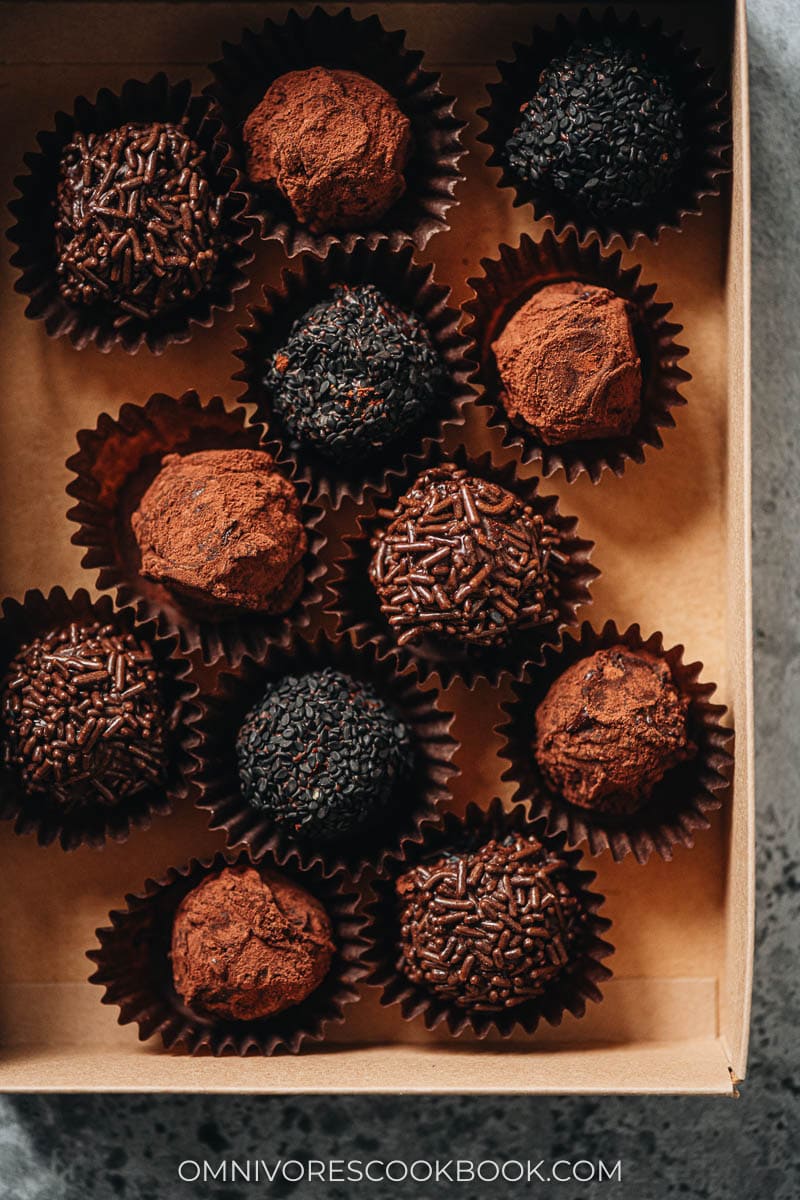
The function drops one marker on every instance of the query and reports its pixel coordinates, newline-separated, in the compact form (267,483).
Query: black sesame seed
(323,755)
(604,128)
(355,374)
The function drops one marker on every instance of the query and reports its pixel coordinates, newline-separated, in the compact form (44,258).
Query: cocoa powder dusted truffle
(248,944)
(604,129)
(334,143)
(489,927)
(355,374)
(137,226)
(323,755)
(568,365)
(223,528)
(609,728)
(464,559)
(82,716)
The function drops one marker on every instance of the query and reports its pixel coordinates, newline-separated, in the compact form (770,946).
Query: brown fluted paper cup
(567,991)
(680,803)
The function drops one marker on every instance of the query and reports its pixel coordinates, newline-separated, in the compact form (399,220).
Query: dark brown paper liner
(706,124)
(115,464)
(93,825)
(508,282)
(133,966)
(680,803)
(216,775)
(33,233)
(343,42)
(412,287)
(353,601)
(580,981)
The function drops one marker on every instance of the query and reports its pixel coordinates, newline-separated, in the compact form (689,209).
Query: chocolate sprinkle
(603,128)
(463,558)
(323,755)
(82,715)
(355,374)
(488,928)
(137,224)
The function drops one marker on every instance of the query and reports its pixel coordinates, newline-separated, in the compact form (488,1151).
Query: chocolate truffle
(604,129)
(490,927)
(568,365)
(323,755)
(83,719)
(354,375)
(248,944)
(333,143)
(223,528)
(463,559)
(610,728)
(137,226)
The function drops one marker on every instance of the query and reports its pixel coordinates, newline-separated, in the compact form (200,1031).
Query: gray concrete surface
(95,1147)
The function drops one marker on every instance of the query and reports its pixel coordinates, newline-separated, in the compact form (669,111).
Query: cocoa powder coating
(223,528)
(248,944)
(334,143)
(568,365)
(610,728)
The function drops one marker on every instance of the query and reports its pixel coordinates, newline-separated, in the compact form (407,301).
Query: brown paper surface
(671,542)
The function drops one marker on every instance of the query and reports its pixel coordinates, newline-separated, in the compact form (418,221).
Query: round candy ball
(83,721)
(463,560)
(335,144)
(323,755)
(519,920)
(223,529)
(137,225)
(248,944)
(610,727)
(568,365)
(604,129)
(355,374)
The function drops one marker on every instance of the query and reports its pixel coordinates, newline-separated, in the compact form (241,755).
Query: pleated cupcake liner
(353,602)
(94,824)
(342,41)
(681,802)
(508,282)
(706,122)
(578,983)
(416,806)
(115,464)
(133,965)
(413,288)
(35,212)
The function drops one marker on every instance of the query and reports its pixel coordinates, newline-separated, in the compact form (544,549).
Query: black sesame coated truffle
(323,755)
(604,129)
(355,374)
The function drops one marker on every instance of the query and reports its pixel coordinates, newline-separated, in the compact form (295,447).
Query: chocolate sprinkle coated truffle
(248,944)
(137,226)
(488,928)
(609,729)
(355,374)
(323,755)
(604,129)
(82,715)
(463,558)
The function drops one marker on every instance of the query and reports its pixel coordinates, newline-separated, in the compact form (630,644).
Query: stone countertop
(63,1148)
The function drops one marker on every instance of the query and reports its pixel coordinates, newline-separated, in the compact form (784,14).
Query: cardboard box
(672,538)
